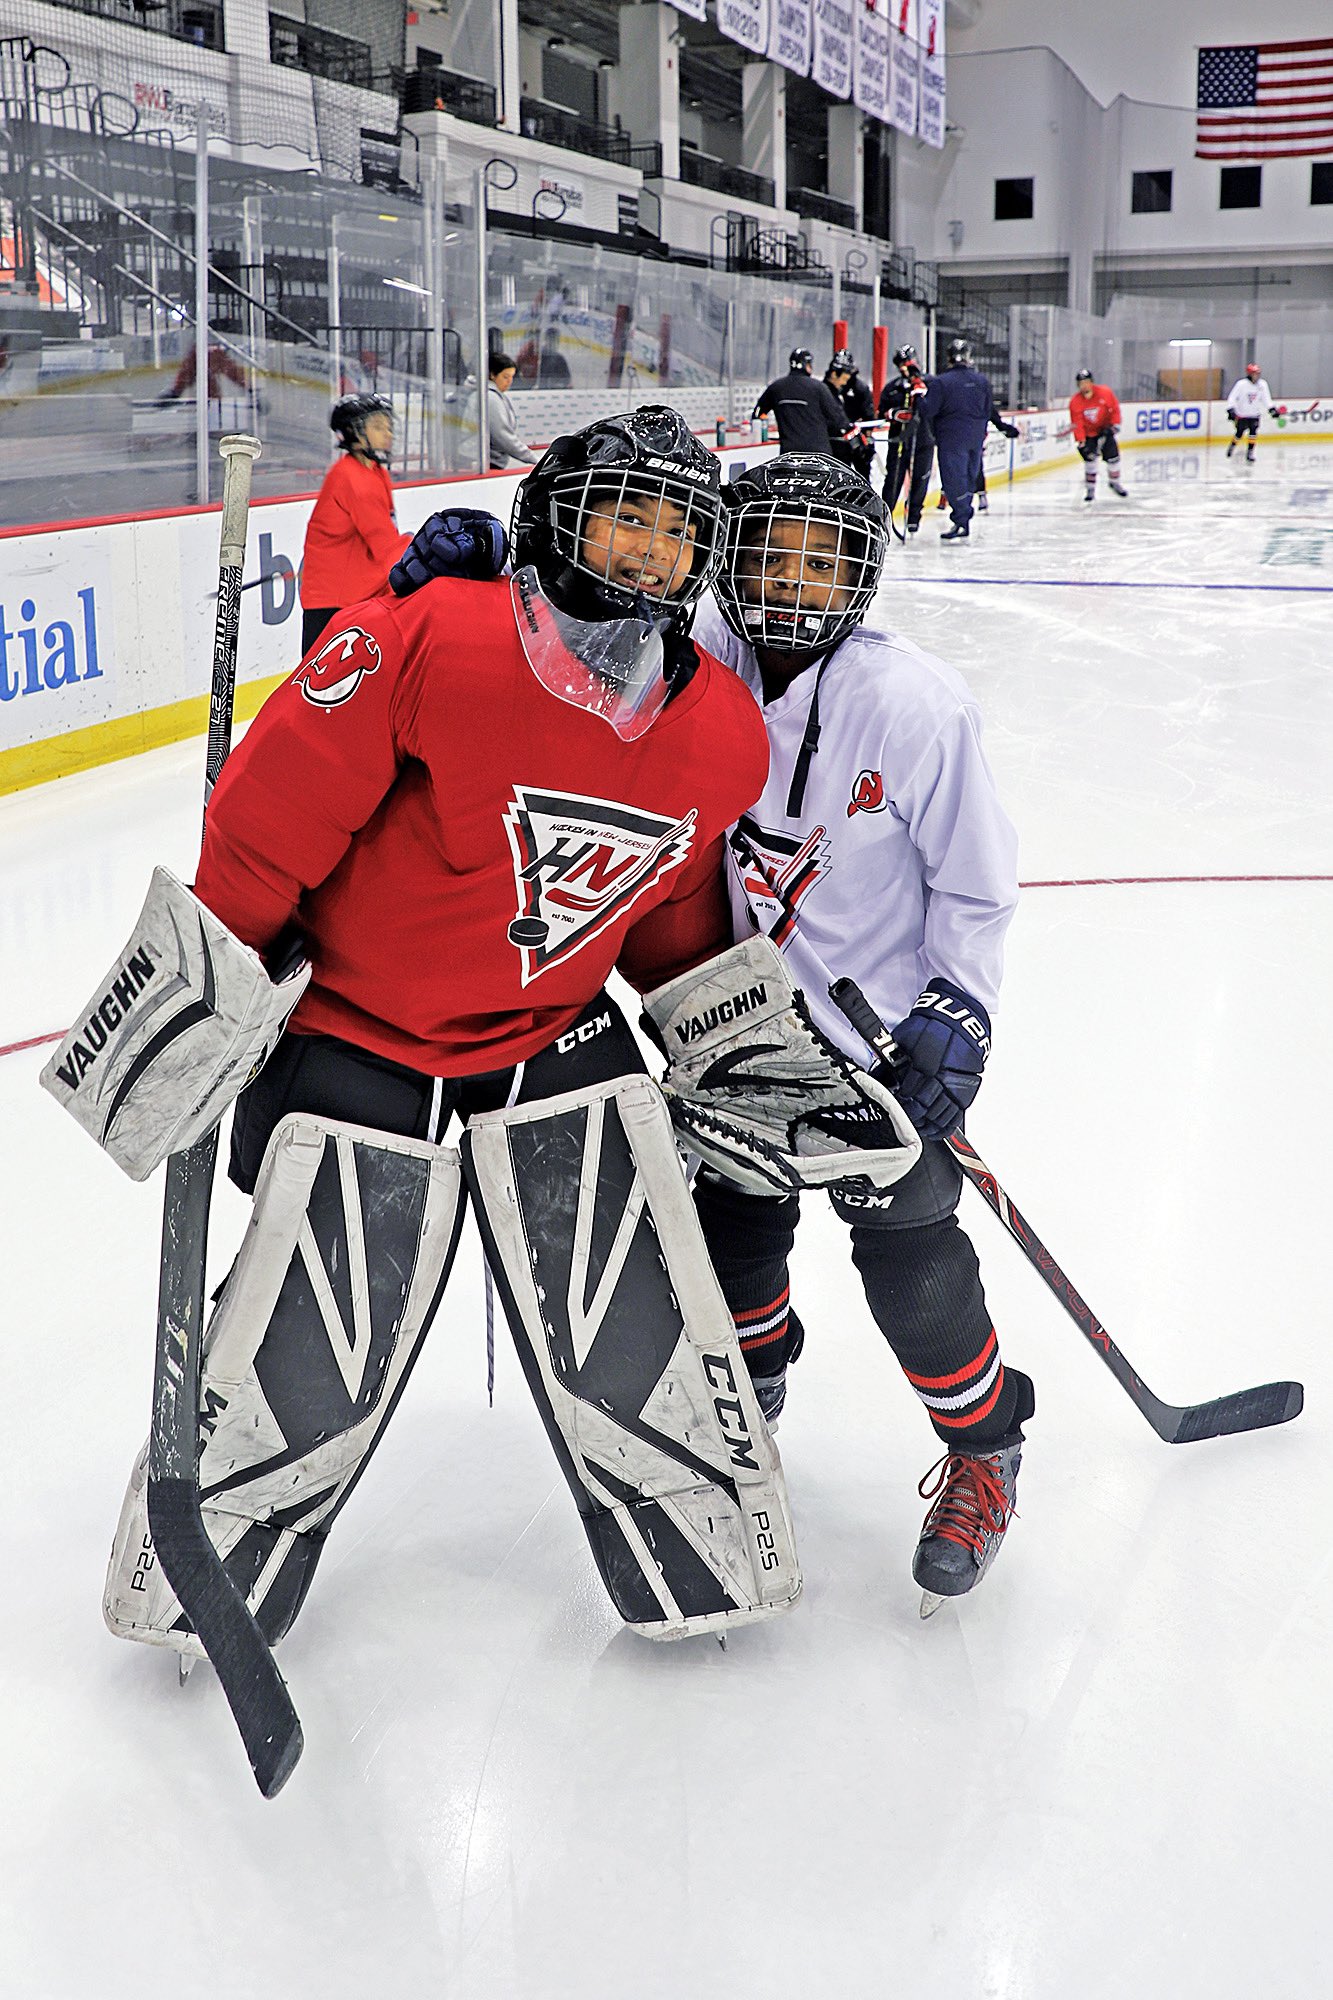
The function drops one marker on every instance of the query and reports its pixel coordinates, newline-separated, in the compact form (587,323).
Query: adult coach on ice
(809,416)
(957,407)
(474,802)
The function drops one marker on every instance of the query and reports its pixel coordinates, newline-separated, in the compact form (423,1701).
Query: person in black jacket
(858,407)
(809,416)
(958,407)
(911,449)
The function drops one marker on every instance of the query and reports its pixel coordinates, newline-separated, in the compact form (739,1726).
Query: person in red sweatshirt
(1094,412)
(352,538)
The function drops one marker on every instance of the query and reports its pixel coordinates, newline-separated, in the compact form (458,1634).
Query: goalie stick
(255,1690)
(1245,1410)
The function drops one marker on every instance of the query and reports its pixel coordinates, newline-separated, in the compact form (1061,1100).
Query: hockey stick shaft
(1245,1410)
(215,1608)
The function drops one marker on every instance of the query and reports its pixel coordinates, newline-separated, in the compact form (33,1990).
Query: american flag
(1265,103)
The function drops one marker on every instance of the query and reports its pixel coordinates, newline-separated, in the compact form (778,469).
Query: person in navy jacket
(957,408)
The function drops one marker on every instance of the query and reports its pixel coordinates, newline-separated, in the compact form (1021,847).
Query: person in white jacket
(1246,404)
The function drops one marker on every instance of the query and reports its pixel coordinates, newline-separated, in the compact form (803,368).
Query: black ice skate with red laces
(973,1495)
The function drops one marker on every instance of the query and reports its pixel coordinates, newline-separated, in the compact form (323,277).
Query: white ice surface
(1106,1774)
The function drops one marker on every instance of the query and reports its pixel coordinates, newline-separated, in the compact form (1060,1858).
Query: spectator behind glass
(507,447)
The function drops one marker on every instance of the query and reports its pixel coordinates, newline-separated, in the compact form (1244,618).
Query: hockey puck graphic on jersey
(531,932)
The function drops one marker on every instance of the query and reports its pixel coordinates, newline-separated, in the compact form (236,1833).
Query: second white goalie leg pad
(632,1357)
(344,1263)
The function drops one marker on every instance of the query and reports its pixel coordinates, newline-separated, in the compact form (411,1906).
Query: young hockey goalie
(877,850)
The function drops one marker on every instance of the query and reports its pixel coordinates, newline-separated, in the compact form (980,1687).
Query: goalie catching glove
(172,1034)
(759,1093)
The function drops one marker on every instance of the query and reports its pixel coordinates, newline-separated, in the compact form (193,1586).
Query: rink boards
(106,626)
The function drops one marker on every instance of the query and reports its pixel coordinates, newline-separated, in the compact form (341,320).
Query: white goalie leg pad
(343,1265)
(632,1357)
(181,1022)
(759,1093)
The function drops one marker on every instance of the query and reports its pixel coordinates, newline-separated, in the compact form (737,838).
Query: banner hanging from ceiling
(791,33)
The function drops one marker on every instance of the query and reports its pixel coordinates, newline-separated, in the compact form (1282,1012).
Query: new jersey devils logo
(339,667)
(867,794)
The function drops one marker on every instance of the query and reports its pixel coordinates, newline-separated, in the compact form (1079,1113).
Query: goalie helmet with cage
(806,542)
(627,510)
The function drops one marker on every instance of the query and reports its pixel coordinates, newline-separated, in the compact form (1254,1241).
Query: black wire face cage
(643,533)
(790,585)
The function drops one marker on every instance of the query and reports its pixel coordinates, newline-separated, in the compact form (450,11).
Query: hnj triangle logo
(579,863)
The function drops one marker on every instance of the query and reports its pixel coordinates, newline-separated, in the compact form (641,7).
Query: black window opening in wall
(1321,182)
(1013,201)
(1150,193)
(1240,187)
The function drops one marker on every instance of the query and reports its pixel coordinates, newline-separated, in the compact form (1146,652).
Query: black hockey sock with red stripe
(749,1239)
(924,1288)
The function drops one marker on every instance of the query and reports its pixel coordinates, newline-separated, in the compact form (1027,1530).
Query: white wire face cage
(798,576)
(654,533)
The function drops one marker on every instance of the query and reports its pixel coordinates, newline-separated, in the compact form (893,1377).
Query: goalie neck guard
(805,547)
(626,510)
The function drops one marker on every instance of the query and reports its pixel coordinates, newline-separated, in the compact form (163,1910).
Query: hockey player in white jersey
(878,850)
(1247,402)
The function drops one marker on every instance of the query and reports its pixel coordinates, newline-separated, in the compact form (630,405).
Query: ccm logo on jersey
(867,794)
(730,1411)
(961,1016)
(339,667)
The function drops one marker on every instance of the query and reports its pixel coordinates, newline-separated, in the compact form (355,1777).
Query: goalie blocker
(184,1018)
(760,1094)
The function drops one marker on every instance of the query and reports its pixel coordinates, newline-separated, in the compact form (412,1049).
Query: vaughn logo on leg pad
(578,864)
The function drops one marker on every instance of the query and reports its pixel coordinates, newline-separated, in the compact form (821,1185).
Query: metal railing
(702,170)
(817,207)
(435,89)
(196,21)
(296,45)
(555,127)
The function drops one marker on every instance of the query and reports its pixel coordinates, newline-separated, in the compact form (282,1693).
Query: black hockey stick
(1246,1410)
(215,1608)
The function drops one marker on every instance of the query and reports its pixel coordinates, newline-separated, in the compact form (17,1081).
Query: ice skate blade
(930,1603)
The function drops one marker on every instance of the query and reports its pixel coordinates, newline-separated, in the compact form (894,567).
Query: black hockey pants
(921,1282)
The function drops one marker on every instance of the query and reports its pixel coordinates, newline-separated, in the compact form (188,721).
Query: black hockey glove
(1273,410)
(942,1050)
(1088,449)
(467,542)
(1009,430)
(1231,415)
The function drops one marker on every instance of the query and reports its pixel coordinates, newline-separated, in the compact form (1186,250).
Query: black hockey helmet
(784,584)
(641,462)
(1084,375)
(902,355)
(844,358)
(348,422)
(800,357)
(958,353)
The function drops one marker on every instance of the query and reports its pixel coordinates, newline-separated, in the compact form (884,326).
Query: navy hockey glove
(1009,430)
(942,1049)
(467,542)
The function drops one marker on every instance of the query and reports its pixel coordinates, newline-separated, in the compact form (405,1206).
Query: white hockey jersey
(901,864)
(1250,399)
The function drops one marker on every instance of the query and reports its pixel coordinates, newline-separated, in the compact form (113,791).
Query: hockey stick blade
(224,1625)
(1246,1410)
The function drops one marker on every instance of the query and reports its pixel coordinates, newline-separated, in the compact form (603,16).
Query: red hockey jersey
(1091,415)
(467,854)
(351,539)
